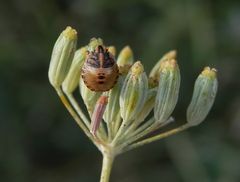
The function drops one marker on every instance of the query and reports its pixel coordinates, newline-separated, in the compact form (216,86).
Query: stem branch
(157,137)
(77,108)
(74,115)
(83,117)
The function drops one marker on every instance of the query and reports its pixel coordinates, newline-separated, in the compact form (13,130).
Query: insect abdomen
(100,80)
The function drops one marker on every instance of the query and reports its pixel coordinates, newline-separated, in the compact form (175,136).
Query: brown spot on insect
(100,71)
(101,77)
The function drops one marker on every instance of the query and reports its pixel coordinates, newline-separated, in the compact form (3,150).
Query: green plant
(125,125)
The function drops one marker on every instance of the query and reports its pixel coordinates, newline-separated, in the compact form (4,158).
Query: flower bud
(94,42)
(168,89)
(98,114)
(113,106)
(72,80)
(125,59)
(204,93)
(62,56)
(154,74)
(148,106)
(89,97)
(133,93)
(112,50)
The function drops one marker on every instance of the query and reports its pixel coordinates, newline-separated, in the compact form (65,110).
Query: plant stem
(83,117)
(74,115)
(106,167)
(157,137)
(151,126)
(77,108)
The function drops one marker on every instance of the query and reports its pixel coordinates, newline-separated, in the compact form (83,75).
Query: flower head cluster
(125,123)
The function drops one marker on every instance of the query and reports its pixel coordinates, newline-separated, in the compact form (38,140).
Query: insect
(100,71)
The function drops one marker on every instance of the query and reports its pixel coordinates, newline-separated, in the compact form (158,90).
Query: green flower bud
(204,93)
(125,59)
(113,106)
(89,97)
(168,89)
(94,43)
(112,50)
(148,106)
(154,74)
(72,80)
(133,93)
(62,56)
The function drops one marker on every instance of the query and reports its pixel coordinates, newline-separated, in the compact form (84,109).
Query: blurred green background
(40,142)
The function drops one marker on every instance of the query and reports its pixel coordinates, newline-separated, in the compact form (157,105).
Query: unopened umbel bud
(72,80)
(125,60)
(89,97)
(204,94)
(168,89)
(62,56)
(148,105)
(112,50)
(113,106)
(94,42)
(154,74)
(134,92)
(98,114)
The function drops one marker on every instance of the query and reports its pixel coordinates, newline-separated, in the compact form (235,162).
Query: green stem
(109,130)
(117,124)
(83,117)
(123,127)
(152,125)
(157,137)
(79,111)
(106,167)
(74,115)
(130,132)
(142,128)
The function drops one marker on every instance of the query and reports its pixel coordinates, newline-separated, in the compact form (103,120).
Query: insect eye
(93,63)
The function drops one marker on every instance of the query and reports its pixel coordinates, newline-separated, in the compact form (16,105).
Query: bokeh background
(40,142)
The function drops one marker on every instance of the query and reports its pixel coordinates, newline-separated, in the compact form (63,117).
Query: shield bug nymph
(100,71)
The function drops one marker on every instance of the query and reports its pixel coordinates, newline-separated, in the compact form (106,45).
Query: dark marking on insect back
(101,77)
(93,62)
(100,49)
(100,82)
